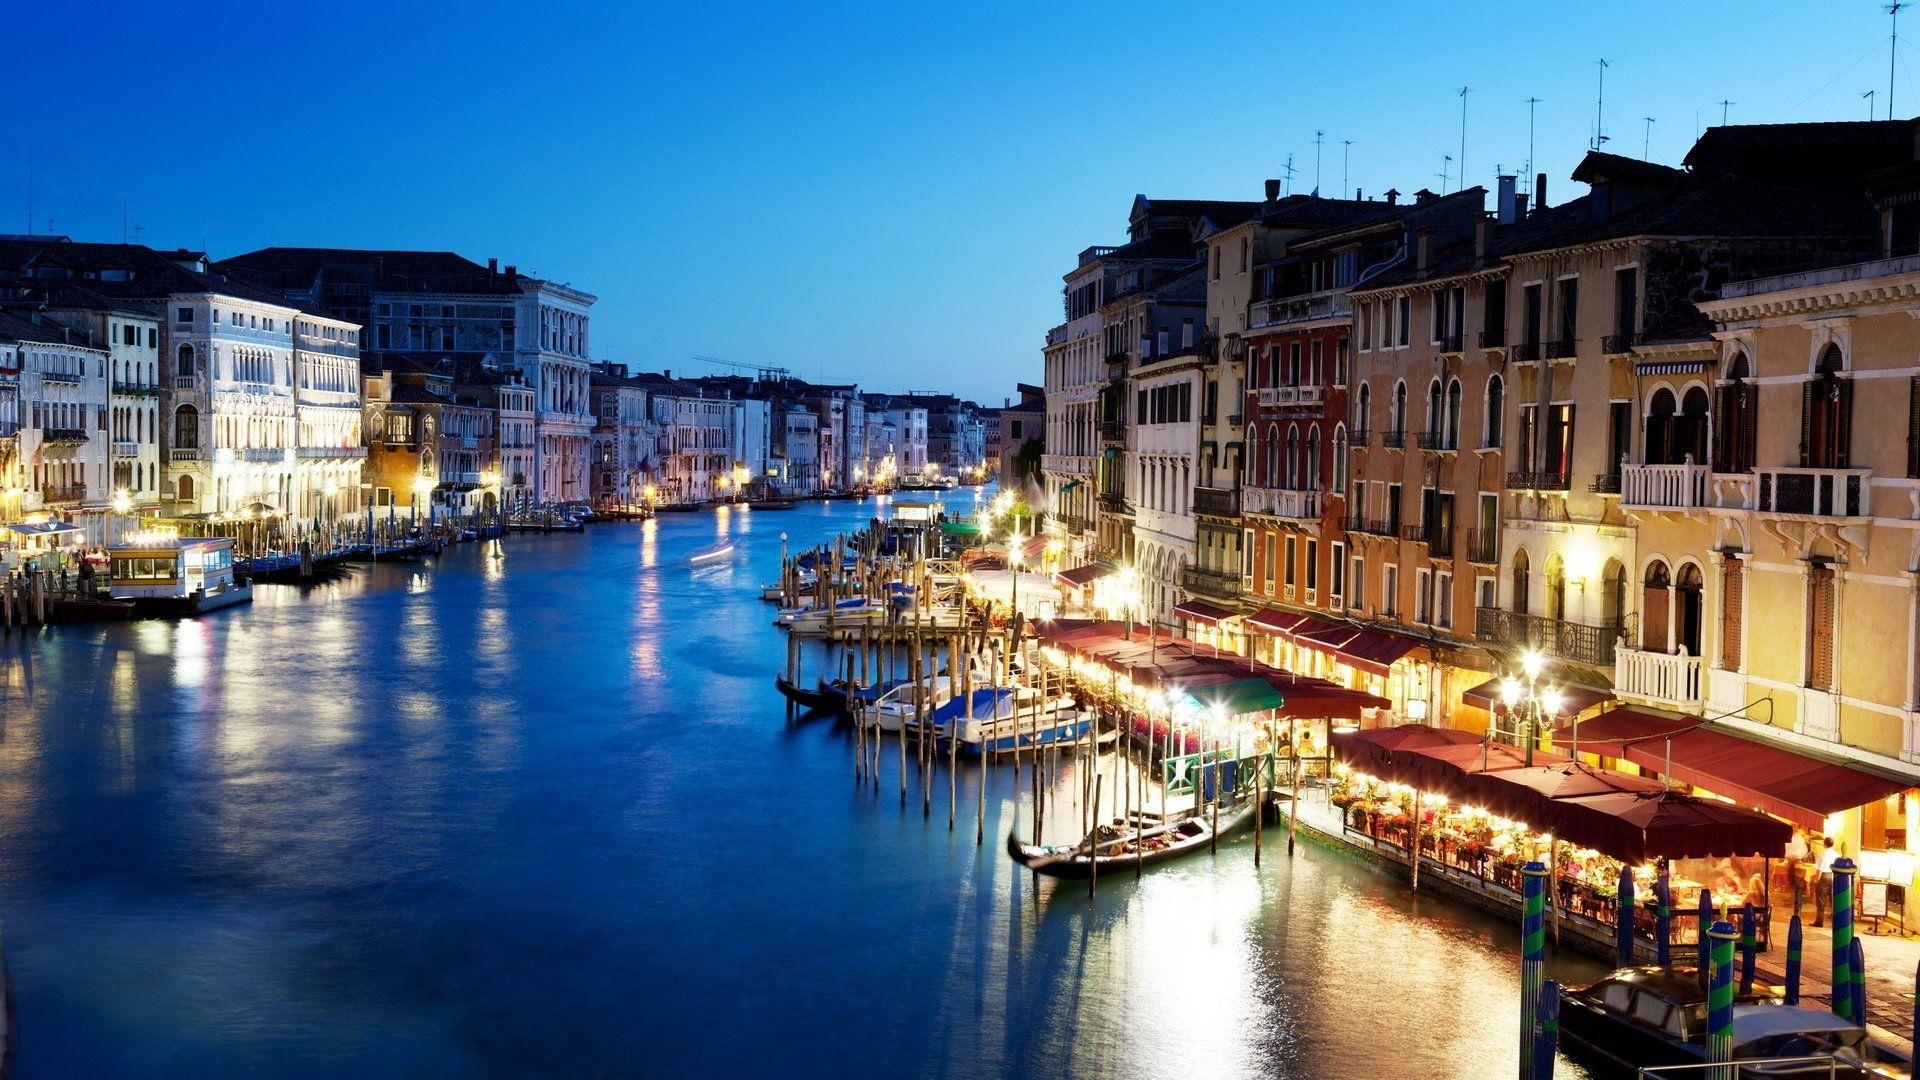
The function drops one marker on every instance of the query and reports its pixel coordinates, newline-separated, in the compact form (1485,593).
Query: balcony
(1493,339)
(1330,304)
(1372,526)
(62,493)
(185,382)
(71,377)
(1562,350)
(329,452)
(184,453)
(1073,524)
(1297,505)
(1526,352)
(1813,492)
(1114,502)
(1290,395)
(263,455)
(1606,483)
(1113,430)
(1618,344)
(62,436)
(1216,502)
(1218,584)
(1438,440)
(1670,680)
(1394,440)
(1664,487)
(1581,643)
(1416,532)
(1360,438)
(1483,546)
(1452,343)
(127,389)
(1537,481)
(126,448)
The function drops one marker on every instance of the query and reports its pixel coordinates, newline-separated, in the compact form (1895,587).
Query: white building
(234,430)
(328,449)
(130,333)
(61,442)
(552,354)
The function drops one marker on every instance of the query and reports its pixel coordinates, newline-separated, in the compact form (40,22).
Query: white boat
(898,708)
(849,612)
(1001,719)
(712,553)
(177,575)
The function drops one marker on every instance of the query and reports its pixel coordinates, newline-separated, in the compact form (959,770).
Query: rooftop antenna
(1463,135)
(1868,94)
(1346,147)
(123,221)
(1446,161)
(1893,11)
(1724,106)
(1646,140)
(1289,171)
(1531,103)
(1599,106)
(29,191)
(1319,137)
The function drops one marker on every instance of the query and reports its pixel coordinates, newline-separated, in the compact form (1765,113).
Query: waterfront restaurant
(1478,810)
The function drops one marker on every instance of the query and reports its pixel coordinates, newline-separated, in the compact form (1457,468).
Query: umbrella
(1527,793)
(1378,750)
(1636,827)
(1445,768)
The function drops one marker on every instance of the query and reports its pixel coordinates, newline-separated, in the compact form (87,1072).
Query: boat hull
(1198,835)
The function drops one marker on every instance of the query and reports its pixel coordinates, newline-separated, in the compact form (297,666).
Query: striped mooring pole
(1533,958)
(1859,984)
(1720,1000)
(1794,935)
(1843,939)
(1662,918)
(1749,946)
(1623,910)
(1546,1041)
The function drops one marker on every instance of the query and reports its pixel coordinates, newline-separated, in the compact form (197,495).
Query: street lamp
(1531,702)
(1126,591)
(422,485)
(122,506)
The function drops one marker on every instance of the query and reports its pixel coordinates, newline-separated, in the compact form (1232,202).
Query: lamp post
(122,506)
(1126,592)
(422,486)
(1530,700)
(1014,556)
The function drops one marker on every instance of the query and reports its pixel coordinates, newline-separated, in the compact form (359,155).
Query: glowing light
(1531,663)
(1551,701)
(1509,691)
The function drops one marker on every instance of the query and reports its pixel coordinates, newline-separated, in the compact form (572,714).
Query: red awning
(1374,651)
(1781,781)
(1373,750)
(1609,733)
(1035,545)
(1575,699)
(1202,612)
(1273,621)
(1080,575)
(1668,824)
(1322,635)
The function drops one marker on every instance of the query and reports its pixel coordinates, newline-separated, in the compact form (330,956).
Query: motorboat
(849,612)
(1002,719)
(1649,1017)
(177,575)
(1145,839)
(712,553)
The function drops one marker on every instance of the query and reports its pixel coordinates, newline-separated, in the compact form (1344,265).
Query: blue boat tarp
(987,702)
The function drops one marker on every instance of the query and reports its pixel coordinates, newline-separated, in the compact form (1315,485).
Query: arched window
(1453,415)
(1340,458)
(1736,410)
(1312,478)
(1690,429)
(1521,600)
(1613,593)
(186,360)
(1496,411)
(1399,408)
(1660,423)
(186,489)
(1655,603)
(1293,458)
(186,428)
(1363,413)
(1434,416)
(1253,456)
(1273,455)
(1826,415)
(1556,588)
(1687,609)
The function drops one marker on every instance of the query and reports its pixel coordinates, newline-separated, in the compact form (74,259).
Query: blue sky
(881,193)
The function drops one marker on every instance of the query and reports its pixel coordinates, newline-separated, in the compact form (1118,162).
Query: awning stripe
(1671,367)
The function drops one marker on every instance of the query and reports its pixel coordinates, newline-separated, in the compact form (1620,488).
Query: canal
(535,809)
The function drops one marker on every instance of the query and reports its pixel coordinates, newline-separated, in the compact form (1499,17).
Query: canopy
(1371,751)
(1069,486)
(1637,827)
(959,528)
(1202,612)
(1080,575)
(1445,768)
(1574,699)
(1321,635)
(1374,651)
(1274,621)
(1035,545)
(1240,697)
(1515,793)
(42,528)
(1609,733)
(1797,787)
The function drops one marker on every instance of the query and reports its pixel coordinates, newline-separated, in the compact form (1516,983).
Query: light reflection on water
(534,809)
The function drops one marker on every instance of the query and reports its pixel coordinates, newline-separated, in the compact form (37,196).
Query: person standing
(1799,864)
(1823,888)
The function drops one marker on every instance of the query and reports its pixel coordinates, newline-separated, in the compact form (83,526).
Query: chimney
(493,266)
(510,270)
(1480,223)
(1503,202)
(1393,196)
(1539,192)
(1359,195)
(1422,246)
(1273,190)
(1520,207)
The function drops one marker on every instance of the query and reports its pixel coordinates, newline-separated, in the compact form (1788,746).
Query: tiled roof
(15,328)
(149,274)
(397,271)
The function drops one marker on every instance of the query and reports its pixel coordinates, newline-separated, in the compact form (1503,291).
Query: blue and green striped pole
(1843,939)
(1749,946)
(1533,957)
(1858,988)
(1794,934)
(1721,936)
(1623,920)
(1546,1041)
(1662,918)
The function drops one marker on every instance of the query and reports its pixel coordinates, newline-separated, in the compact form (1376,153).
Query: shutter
(1653,618)
(1749,411)
(1913,426)
(1807,392)
(1842,423)
(1733,602)
(1820,630)
(1722,437)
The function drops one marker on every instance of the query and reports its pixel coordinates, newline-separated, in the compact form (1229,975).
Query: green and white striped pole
(1794,934)
(1533,958)
(1843,939)
(1720,1000)
(1749,947)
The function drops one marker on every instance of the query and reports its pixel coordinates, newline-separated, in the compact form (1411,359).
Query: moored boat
(822,700)
(177,575)
(1144,840)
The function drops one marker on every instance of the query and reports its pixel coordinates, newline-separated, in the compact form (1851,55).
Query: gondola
(764,505)
(1166,840)
(822,700)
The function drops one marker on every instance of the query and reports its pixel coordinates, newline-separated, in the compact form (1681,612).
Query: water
(541,814)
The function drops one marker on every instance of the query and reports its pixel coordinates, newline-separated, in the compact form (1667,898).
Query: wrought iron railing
(1582,643)
(1537,481)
